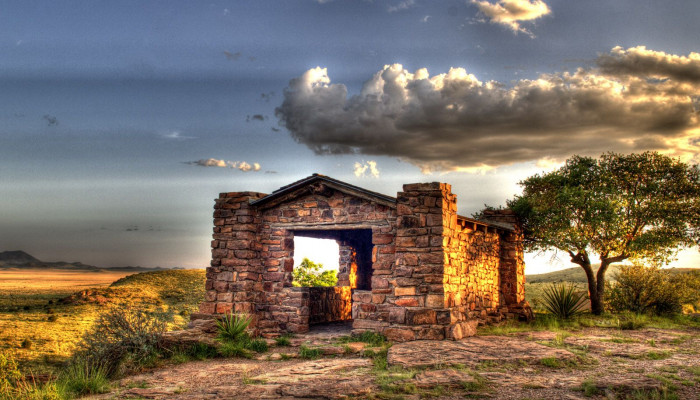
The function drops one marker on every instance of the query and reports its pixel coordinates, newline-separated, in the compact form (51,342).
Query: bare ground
(590,363)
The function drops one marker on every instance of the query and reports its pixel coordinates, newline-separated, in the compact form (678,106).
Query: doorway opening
(354,270)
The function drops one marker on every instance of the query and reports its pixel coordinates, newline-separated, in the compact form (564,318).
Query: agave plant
(232,327)
(563,300)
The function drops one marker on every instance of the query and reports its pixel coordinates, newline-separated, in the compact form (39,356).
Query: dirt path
(593,363)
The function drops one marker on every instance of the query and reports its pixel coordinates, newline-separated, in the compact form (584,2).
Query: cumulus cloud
(510,13)
(213,162)
(176,135)
(402,5)
(641,62)
(634,100)
(365,167)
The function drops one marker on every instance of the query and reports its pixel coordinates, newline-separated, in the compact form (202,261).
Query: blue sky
(115,115)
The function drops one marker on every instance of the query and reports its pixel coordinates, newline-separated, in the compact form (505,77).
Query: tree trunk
(596,282)
(596,301)
(597,307)
(594,292)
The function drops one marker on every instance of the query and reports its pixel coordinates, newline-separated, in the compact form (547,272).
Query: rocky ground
(590,363)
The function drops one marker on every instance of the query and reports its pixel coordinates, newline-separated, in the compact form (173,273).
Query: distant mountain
(22,260)
(16,257)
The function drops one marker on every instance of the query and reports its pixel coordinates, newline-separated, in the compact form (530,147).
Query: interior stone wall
(329,304)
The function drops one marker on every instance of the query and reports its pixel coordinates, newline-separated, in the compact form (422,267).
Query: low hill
(53,322)
(576,274)
(177,289)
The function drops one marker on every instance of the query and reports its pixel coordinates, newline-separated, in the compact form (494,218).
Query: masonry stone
(410,267)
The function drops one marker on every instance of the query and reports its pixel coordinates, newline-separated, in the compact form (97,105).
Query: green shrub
(653,290)
(9,375)
(309,353)
(82,378)
(234,349)
(122,341)
(283,340)
(372,338)
(201,351)
(232,327)
(632,321)
(563,300)
(257,345)
(14,385)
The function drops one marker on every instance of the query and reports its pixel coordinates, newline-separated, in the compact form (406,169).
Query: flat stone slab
(471,351)
(442,377)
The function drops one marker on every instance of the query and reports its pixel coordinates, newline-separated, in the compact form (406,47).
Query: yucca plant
(563,300)
(232,327)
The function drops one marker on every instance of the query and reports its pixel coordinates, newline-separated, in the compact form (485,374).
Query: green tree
(618,207)
(308,273)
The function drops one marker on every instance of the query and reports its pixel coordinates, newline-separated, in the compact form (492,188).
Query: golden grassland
(41,332)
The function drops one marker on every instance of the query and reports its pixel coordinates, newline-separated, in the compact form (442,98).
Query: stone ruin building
(410,266)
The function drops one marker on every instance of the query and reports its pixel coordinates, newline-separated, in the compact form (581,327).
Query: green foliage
(234,349)
(121,341)
(257,345)
(372,338)
(589,388)
(653,290)
(309,353)
(563,301)
(309,274)
(283,340)
(14,385)
(82,378)
(640,205)
(478,384)
(234,338)
(196,351)
(658,355)
(551,362)
(9,374)
(232,327)
(637,206)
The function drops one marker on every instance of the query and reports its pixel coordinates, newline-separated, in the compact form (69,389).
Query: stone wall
(234,279)
(326,211)
(329,304)
(416,270)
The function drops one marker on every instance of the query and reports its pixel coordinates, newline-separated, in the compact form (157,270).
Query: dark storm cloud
(454,121)
(50,120)
(255,117)
(232,56)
